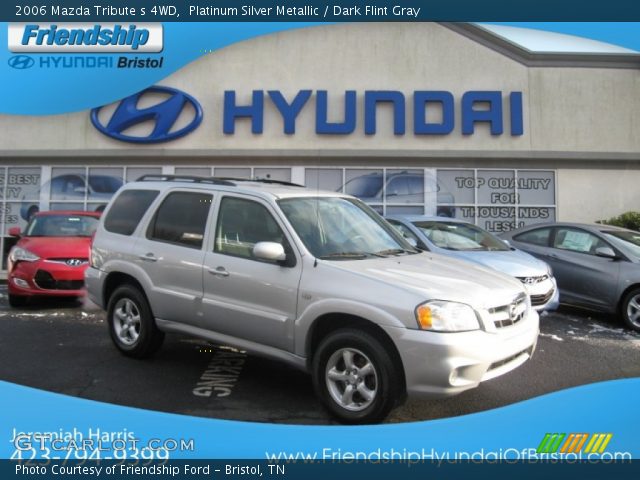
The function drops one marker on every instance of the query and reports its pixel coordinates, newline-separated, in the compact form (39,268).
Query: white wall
(572,111)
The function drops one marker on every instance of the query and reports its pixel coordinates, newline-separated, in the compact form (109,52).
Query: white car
(463,240)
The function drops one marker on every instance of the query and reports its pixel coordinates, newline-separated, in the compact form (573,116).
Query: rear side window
(181,219)
(538,237)
(128,209)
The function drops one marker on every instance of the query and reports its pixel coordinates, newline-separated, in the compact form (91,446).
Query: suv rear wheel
(355,377)
(131,324)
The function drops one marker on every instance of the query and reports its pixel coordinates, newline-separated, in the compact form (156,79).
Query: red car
(51,256)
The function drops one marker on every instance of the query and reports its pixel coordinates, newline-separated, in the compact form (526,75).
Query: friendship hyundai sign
(85,37)
(475,107)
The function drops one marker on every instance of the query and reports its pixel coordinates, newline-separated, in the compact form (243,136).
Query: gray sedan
(596,266)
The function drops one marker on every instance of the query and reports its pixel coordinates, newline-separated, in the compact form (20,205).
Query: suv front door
(245,297)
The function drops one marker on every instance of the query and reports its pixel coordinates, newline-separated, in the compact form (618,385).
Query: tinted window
(104,183)
(577,240)
(416,184)
(538,237)
(181,219)
(365,186)
(397,187)
(67,185)
(127,210)
(242,224)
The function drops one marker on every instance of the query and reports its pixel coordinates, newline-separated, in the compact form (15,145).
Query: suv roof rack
(260,180)
(227,181)
(185,178)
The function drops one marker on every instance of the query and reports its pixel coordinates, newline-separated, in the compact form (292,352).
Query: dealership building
(495,125)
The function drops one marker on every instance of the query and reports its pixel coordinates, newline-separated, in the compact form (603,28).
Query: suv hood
(433,276)
(57,247)
(513,262)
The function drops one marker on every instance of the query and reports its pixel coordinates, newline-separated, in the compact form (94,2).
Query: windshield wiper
(345,255)
(392,251)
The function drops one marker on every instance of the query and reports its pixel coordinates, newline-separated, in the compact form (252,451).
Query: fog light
(21,283)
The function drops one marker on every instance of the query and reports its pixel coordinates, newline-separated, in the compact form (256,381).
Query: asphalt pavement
(64,347)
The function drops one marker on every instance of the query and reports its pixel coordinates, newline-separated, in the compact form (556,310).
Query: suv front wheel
(131,324)
(355,376)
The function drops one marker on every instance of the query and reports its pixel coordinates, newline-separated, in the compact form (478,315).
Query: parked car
(596,266)
(463,240)
(99,188)
(314,279)
(400,187)
(50,256)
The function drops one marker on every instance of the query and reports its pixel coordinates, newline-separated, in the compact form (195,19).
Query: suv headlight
(443,316)
(19,254)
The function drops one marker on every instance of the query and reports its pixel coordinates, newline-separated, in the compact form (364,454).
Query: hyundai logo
(513,311)
(164,115)
(74,262)
(21,62)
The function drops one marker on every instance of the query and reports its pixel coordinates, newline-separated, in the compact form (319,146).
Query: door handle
(554,255)
(220,271)
(149,257)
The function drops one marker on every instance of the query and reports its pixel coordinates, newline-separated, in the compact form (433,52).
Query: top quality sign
(85,37)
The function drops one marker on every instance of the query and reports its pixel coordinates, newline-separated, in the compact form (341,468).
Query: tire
(630,310)
(132,327)
(359,348)
(18,301)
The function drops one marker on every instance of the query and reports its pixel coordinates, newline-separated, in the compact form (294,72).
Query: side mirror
(15,232)
(506,242)
(271,251)
(606,252)
(411,241)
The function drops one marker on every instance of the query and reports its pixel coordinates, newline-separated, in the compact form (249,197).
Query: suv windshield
(335,228)
(460,236)
(626,240)
(62,226)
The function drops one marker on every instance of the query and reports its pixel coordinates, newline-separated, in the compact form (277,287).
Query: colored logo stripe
(598,443)
(550,443)
(574,443)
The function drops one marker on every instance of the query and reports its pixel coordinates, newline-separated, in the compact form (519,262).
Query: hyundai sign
(502,113)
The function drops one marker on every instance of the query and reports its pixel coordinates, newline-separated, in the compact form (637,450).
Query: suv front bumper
(444,364)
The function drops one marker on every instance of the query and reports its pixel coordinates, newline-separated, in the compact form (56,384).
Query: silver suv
(315,279)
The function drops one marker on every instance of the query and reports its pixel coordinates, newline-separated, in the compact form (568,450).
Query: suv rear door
(245,297)
(171,253)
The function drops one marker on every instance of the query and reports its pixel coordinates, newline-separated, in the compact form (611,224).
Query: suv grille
(45,281)
(510,314)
